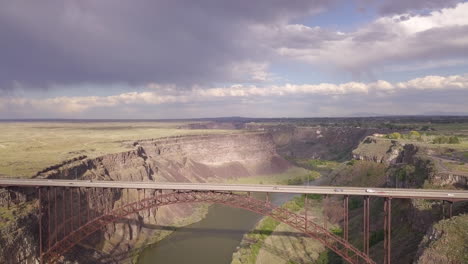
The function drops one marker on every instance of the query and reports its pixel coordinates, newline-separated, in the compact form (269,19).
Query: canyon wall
(329,143)
(210,158)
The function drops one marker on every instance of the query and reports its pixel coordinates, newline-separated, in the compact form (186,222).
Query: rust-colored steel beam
(346,217)
(48,218)
(450,209)
(324,215)
(79,206)
(109,197)
(128,197)
(55,215)
(88,205)
(443,209)
(71,210)
(63,214)
(305,210)
(366,224)
(40,226)
(387,229)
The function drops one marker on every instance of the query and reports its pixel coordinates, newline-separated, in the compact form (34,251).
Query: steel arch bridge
(70,211)
(340,246)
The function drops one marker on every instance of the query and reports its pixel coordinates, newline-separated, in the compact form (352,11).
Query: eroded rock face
(212,158)
(18,241)
(331,143)
(450,179)
(379,150)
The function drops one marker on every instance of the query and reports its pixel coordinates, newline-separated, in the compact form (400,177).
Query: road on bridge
(339,190)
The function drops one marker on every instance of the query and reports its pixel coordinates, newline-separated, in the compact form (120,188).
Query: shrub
(394,135)
(446,140)
(414,135)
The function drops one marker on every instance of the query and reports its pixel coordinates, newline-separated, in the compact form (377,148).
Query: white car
(370,190)
(450,194)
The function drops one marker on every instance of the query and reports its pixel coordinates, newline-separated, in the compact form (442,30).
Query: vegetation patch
(9,215)
(447,242)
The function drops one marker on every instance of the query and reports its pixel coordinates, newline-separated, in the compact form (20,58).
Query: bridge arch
(333,242)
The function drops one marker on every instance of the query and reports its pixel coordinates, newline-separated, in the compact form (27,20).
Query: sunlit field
(28,147)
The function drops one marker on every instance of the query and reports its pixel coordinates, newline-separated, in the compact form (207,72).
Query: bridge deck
(337,190)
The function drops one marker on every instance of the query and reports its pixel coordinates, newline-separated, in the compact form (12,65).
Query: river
(209,241)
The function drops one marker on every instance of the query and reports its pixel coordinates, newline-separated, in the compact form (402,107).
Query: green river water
(210,241)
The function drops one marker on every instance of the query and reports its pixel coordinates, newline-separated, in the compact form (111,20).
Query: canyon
(264,151)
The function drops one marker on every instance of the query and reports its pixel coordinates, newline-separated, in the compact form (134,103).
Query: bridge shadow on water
(220,231)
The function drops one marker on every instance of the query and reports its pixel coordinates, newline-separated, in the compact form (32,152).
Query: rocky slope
(445,242)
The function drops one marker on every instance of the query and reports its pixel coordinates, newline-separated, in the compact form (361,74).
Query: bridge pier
(48,218)
(387,229)
(366,224)
(305,212)
(40,225)
(450,209)
(345,217)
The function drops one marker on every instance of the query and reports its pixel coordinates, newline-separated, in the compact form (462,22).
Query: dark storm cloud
(104,41)
(390,7)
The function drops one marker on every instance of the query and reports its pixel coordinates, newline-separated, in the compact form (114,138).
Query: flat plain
(28,147)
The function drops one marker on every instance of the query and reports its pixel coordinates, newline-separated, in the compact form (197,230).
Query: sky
(157,59)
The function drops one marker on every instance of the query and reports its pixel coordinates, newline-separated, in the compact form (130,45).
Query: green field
(28,147)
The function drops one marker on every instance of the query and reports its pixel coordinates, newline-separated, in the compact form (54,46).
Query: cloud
(357,95)
(184,42)
(56,44)
(390,7)
(384,43)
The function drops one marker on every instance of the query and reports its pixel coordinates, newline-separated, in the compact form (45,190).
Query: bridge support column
(71,210)
(9,197)
(443,209)
(324,214)
(63,213)
(79,207)
(450,209)
(345,217)
(305,212)
(387,229)
(88,204)
(55,215)
(366,224)
(48,218)
(40,226)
